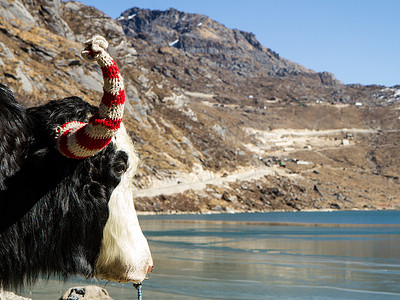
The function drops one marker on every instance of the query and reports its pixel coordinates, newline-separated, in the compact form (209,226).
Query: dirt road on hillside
(196,183)
(280,139)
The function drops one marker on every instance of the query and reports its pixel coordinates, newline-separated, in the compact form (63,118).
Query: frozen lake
(302,255)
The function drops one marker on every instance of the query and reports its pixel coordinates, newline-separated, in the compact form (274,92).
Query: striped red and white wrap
(80,140)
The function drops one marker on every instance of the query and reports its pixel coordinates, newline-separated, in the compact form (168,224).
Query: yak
(66,196)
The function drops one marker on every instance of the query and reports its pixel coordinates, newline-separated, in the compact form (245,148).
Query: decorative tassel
(80,140)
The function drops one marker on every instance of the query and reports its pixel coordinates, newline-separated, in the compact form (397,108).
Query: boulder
(89,292)
(4,295)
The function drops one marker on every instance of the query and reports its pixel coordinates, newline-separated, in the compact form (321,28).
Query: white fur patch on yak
(124,254)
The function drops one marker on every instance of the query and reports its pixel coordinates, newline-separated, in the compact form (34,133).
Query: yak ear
(81,140)
(14,134)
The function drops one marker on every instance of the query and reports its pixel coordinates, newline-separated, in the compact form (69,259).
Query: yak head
(66,195)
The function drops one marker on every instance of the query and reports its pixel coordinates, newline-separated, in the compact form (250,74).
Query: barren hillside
(221,122)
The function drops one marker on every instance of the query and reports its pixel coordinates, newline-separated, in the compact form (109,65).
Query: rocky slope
(221,122)
(238,51)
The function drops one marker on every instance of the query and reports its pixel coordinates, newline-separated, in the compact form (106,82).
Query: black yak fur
(52,209)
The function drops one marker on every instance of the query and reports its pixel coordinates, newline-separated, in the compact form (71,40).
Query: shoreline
(286,220)
(153,213)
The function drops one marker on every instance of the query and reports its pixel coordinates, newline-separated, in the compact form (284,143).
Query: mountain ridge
(196,33)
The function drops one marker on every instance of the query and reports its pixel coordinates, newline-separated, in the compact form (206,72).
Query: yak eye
(119,169)
(120,163)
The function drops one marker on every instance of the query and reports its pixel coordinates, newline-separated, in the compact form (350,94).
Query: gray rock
(15,13)
(340,197)
(4,295)
(219,130)
(26,83)
(230,210)
(94,81)
(5,51)
(264,198)
(76,15)
(90,292)
(48,14)
(217,195)
(335,206)
(229,198)
(218,208)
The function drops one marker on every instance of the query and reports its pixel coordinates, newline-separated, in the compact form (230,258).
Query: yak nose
(149,269)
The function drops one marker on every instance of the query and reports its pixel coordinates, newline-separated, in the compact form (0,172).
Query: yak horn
(80,140)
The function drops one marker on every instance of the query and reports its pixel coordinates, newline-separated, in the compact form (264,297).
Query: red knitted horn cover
(80,140)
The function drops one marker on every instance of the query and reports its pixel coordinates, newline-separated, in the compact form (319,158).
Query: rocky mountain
(238,51)
(221,122)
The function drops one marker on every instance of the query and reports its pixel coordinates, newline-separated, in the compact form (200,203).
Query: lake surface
(302,255)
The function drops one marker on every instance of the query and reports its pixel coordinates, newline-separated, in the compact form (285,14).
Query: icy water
(302,255)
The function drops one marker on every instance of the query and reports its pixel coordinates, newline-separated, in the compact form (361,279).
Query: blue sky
(356,40)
